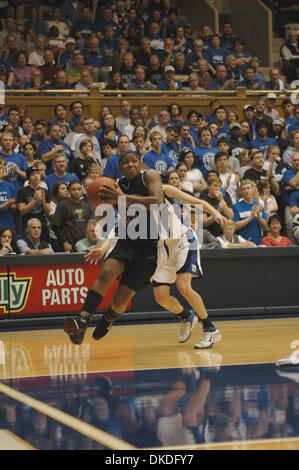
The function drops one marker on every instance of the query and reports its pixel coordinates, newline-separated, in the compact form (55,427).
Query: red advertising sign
(43,289)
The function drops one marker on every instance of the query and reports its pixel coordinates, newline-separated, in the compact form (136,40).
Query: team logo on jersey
(14,292)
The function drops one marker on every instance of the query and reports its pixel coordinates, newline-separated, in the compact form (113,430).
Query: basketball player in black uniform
(135,260)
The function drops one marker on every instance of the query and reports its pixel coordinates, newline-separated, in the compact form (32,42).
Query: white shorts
(183,257)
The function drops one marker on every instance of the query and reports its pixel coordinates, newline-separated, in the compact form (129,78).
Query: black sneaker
(76,328)
(102,328)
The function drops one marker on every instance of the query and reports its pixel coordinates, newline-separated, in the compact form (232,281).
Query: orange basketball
(92,191)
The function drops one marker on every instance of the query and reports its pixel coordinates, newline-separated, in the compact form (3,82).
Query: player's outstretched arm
(176,193)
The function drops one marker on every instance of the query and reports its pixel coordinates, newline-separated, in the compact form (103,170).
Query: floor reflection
(154,408)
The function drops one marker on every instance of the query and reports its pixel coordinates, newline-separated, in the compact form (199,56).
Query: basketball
(92,191)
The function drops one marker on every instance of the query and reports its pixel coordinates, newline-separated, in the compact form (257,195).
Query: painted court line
(9,441)
(233,445)
(84,428)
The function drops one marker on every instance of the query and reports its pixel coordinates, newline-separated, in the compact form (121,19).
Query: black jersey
(140,222)
(135,245)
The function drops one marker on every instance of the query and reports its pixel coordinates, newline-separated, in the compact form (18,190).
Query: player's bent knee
(184,289)
(107,275)
(160,297)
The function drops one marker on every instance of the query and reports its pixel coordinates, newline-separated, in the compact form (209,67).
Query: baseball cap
(271,96)
(169,68)
(30,170)
(277,122)
(70,41)
(234,124)
(248,106)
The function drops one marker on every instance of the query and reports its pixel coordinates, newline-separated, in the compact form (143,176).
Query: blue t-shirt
(163,85)
(112,167)
(244,55)
(20,160)
(158,161)
(86,29)
(223,132)
(46,146)
(186,48)
(293,127)
(204,158)
(101,26)
(287,176)
(262,145)
(51,179)
(294,199)
(172,151)
(194,134)
(252,232)
(216,56)
(94,59)
(249,86)
(4,120)
(7,191)
(288,122)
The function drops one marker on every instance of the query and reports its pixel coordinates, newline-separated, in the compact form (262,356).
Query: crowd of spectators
(133,44)
(245,166)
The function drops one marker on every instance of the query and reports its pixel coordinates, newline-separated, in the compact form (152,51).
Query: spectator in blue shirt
(205,152)
(105,21)
(16,164)
(94,57)
(7,199)
(262,141)
(50,147)
(249,215)
(250,82)
(186,140)
(275,82)
(109,44)
(216,53)
(220,114)
(7,69)
(255,62)
(140,80)
(243,58)
(76,108)
(59,172)
(157,40)
(288,113)
(4,119)
(181,43)
(112,166)
(290,179)
(169,82)
(69,13)
(155,159)
(84,28)
(295,126)
(66,59)
(169,27)
(221,82)
(170,146)
(206,35)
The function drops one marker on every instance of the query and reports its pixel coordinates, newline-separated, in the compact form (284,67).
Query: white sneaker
(186,327)
(208,338)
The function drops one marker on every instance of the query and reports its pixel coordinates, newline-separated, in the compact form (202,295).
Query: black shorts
(140,262)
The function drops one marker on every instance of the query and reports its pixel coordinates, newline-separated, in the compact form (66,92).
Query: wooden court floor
(229,397)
